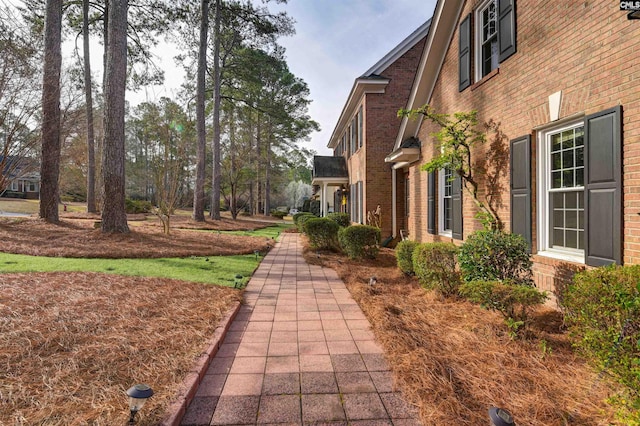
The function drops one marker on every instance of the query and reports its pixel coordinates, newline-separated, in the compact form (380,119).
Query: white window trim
(477,37)
(543,177)
(441,230)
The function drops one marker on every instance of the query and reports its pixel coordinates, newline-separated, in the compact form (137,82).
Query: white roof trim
(399,50)
(361,87)
(444,24)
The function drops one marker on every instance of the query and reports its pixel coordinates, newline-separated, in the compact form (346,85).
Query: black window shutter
(464,52)
(506,29)
(456,207)
(431,202)
(361,201)
(521,187)
(603,187)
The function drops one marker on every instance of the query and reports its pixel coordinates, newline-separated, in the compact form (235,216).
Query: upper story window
(487,38)
(489,41)
(360,128)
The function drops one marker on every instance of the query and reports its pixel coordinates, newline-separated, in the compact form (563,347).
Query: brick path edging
(187,391)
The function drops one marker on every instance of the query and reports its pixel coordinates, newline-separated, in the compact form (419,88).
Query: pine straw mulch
(71,344)
(78,238)
(454,360)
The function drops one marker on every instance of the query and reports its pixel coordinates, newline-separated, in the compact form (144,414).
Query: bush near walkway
(322,233)
(436,269)
(602,309)
(360,241)
(404,254)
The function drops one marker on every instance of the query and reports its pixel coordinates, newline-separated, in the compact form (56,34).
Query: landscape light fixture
(500,417)
(138,395)
(257,253)
(238,281)
(373,281)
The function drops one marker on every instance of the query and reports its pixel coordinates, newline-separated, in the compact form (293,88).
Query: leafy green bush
(278,214)
(514,301)
(404,253)
(137,206)
(491,255)
(602,310)
(435,266)
(302,221)
(322,233)
(342,219)
(297,216)
(360,241)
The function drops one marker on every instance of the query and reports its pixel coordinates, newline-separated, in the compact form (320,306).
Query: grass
(18,205)
(268,232)
(219,270)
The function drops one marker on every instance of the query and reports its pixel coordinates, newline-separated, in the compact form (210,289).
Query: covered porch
(329,172)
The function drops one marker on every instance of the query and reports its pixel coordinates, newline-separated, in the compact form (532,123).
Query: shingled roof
(329,167)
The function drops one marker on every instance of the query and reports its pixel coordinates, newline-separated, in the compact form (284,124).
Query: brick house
(364,135)
(562,82)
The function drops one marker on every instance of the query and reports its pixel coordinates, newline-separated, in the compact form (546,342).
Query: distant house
(21,177)
(357,180)
(562,86)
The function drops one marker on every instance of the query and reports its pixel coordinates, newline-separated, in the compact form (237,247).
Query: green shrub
(297,217)
(514,301)
(302,221)
(137,206)
(360,241)
(404,256)
(342,219)
(278,214)
(435,266)
(602,310)
(495,256)
(322,233)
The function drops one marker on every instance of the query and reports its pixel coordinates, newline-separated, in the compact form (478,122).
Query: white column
(394,200)
(323,207)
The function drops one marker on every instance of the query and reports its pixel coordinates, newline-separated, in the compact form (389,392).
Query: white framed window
(561,222)
(486,38)
(360,128)
(445,178)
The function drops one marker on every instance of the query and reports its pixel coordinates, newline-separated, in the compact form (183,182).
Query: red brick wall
(381,126)
(587,50)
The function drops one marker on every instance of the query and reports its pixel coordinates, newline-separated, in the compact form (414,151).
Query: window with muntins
(486,38)
(563,202)
(360,129)
(447,192)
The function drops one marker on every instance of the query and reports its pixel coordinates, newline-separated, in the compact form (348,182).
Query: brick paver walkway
(300,351)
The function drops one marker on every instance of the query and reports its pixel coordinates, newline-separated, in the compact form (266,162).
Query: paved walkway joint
(299,352)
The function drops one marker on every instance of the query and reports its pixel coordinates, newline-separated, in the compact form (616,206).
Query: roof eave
(403,155)
(443,26)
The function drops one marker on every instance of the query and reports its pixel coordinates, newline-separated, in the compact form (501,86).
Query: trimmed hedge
(602,310)
(360,241)
(322,233)
(513,301)
(404,256)
(342,219)
(297,216)
(137,206)
(278,214)
(435,266)
(496,256)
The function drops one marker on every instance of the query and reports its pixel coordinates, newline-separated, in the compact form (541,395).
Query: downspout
(394,200)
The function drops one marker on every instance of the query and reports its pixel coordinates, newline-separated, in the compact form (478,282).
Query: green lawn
(268,232)
(220,270)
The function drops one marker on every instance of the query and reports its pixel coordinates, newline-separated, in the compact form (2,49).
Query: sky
(336,41)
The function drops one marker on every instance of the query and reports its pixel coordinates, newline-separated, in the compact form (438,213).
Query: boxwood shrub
(435,266)
(602,310)
(322,233)
(360,241)
(490,255)
(342,219)
(404,256)
(298,216)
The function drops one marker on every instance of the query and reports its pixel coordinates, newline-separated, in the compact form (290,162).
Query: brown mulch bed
(454,360)
(78,238)
(71,344)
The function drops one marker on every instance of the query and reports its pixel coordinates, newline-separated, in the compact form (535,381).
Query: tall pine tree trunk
(217,173)
(267,177)
(50,165)
(114,217)
(91,156)
(198,193)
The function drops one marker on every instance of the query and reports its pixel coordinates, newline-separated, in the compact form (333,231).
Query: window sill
(563,255)
(447,234)
(486,78)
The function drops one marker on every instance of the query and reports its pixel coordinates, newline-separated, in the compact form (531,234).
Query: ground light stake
(138,395)
(500,417)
